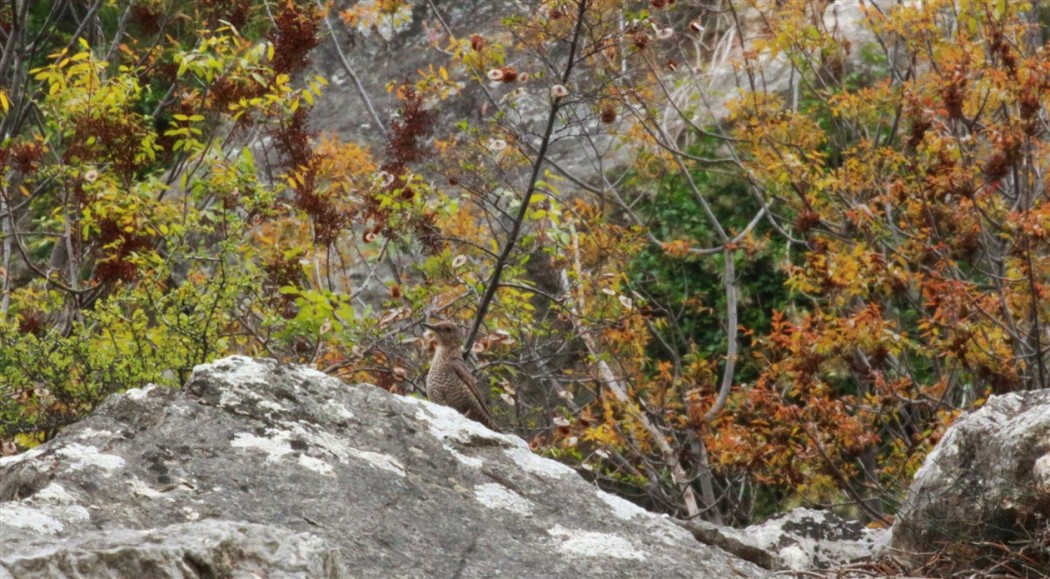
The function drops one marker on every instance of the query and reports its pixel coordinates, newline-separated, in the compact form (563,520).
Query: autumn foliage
(717,303)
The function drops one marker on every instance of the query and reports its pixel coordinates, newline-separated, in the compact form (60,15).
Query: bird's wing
(463,371)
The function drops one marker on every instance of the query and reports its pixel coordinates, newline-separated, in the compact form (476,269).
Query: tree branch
(537,166)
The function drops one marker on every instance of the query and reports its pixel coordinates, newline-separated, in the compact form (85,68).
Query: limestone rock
(207,548)
(810,539)
(258,469)
(986,482)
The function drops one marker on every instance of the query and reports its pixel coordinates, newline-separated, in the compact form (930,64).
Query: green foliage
(689,291)
(136,202)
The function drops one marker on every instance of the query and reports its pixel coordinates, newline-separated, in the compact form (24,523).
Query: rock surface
(811,539)
(209,548)
(258,469)
(986,482)
(379,55)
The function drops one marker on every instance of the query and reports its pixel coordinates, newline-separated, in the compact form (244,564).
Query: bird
(450,381)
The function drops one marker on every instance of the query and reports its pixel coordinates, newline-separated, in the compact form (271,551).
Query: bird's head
(447,334)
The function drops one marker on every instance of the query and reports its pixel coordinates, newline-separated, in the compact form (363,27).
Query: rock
(810,539)
(987,482)
(208,548)
(729,540)
(258,469)
(396,55)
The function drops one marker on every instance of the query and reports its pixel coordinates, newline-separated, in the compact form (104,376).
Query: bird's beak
(428,326)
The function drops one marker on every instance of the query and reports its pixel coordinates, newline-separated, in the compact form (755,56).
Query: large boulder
(258,469)
(987,483)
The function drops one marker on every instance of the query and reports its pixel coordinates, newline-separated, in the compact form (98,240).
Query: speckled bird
(450,381)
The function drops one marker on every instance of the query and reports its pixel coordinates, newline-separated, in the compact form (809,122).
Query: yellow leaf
(29,439)
(4,103)
(443,73)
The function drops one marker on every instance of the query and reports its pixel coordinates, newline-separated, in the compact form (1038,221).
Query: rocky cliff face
(284,472)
